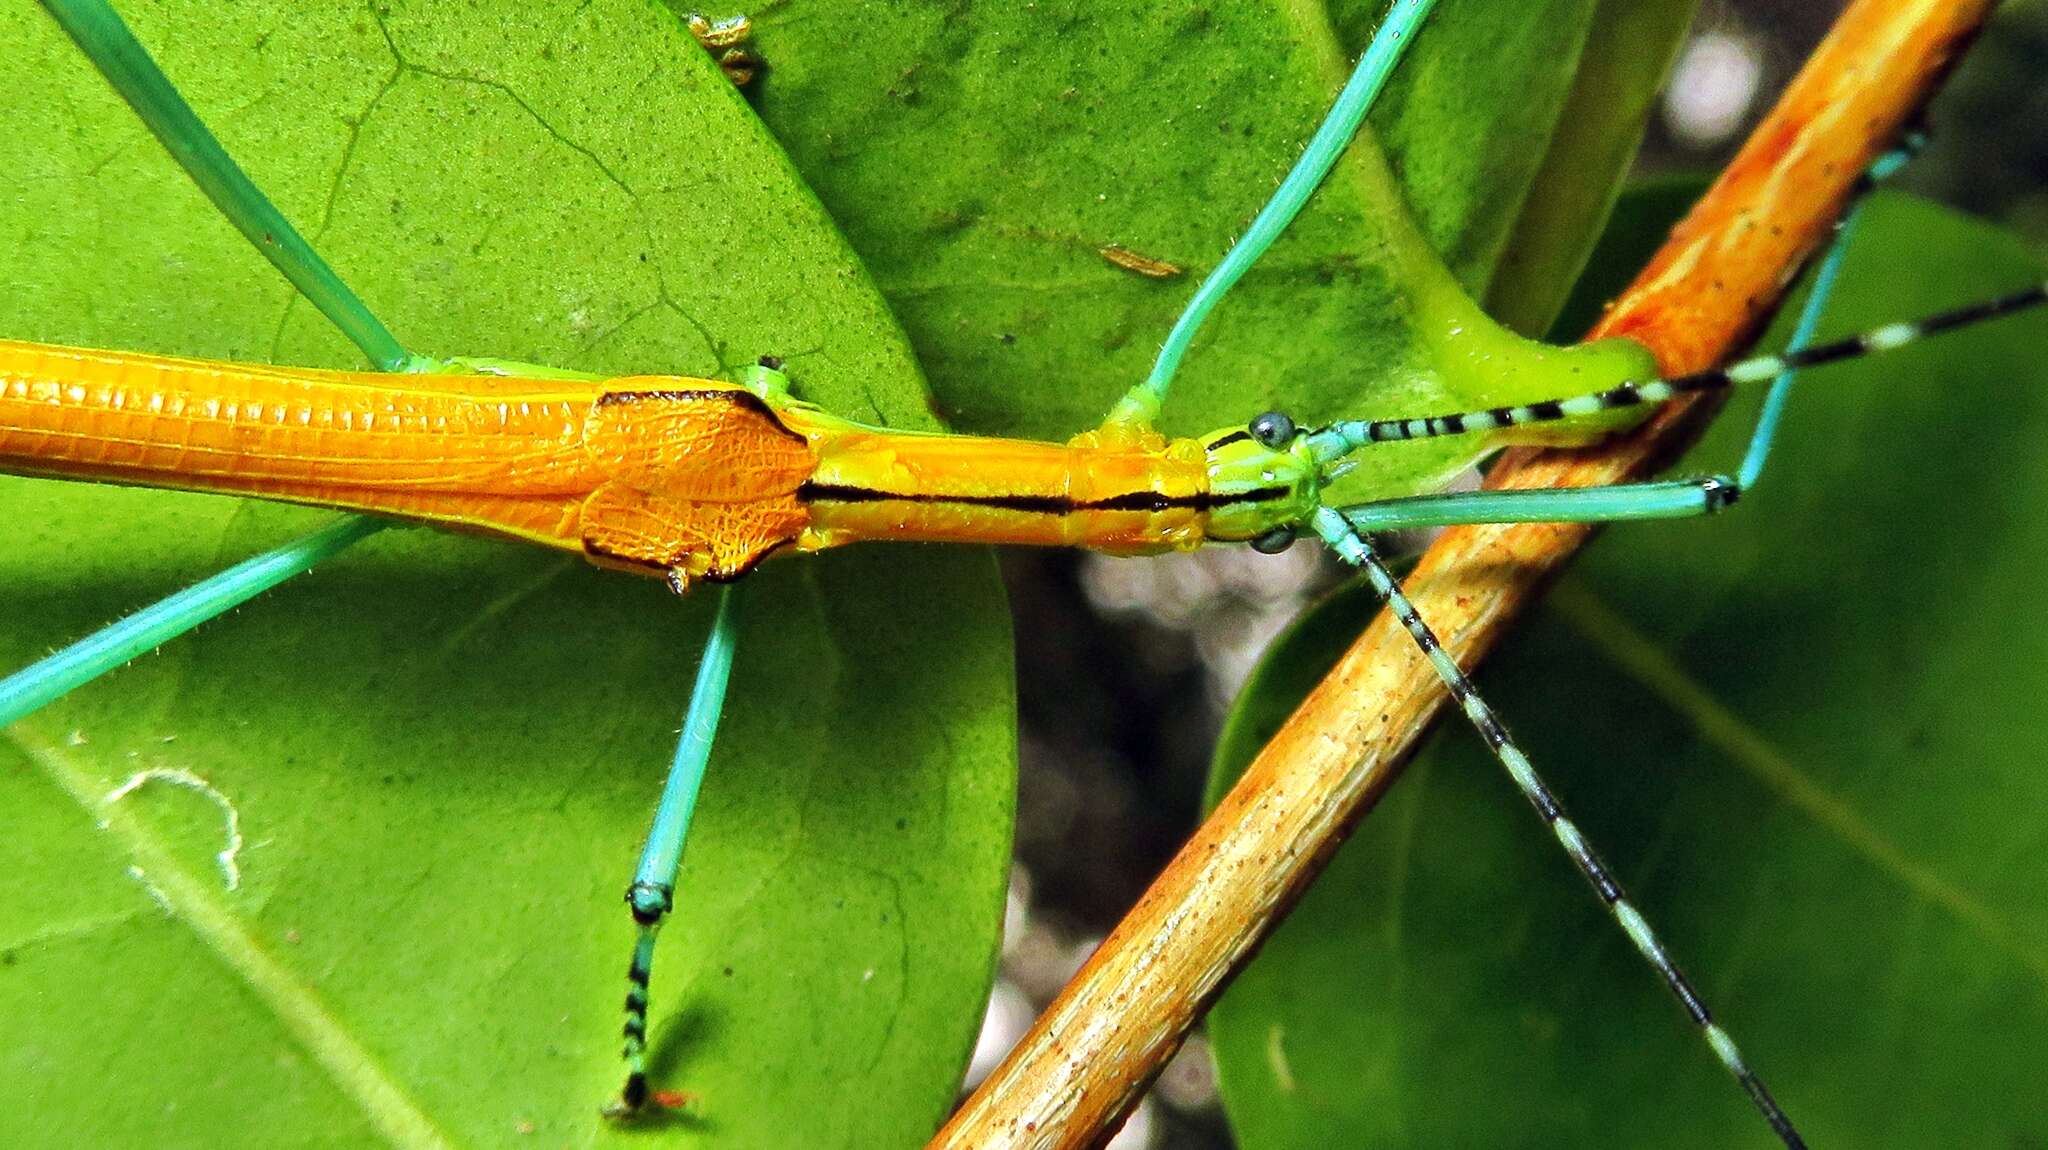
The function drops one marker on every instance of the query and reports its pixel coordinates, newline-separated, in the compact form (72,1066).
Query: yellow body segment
(959,489)
(684,477)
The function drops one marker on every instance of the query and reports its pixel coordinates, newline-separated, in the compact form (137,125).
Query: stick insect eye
(1273,430)
(1275,541)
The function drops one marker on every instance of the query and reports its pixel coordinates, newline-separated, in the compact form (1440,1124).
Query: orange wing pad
(721,444)
(702,481)
(716,541)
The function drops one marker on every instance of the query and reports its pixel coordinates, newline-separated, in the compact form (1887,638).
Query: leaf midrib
(194,903)
(1637,657)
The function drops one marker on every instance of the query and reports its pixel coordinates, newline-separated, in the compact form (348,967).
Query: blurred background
(1127,666)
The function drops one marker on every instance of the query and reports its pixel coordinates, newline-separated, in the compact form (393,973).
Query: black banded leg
(650,903)
(1353,549)
(652,893)
(1337,440)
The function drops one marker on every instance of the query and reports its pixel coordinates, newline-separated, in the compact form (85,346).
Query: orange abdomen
(502,455)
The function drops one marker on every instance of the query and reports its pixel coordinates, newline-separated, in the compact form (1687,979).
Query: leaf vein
(1747,747)
(202,909)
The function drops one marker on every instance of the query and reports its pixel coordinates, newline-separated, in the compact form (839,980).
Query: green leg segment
(766,381)
(1141,405)
(653,891)
(1668,499)
(1674,499)
(44,682)
(127,65)
(106,41)
(1333,443)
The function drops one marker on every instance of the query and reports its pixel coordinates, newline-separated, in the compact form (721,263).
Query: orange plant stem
(1071,1080)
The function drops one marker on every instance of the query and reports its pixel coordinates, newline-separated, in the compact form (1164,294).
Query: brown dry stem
(1083,1065)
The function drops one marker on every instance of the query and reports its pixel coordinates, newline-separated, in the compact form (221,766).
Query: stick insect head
(1263,482)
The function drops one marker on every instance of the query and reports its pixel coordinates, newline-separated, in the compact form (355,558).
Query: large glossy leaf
(981,155)
(571,184)
(1805,733)
(442,753)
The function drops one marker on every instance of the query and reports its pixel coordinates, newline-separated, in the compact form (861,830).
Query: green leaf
(442,753)
(575,185)
(1627,56)
(981,156)
(1802,733)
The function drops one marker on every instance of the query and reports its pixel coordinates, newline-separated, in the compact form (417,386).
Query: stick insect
(1272,434)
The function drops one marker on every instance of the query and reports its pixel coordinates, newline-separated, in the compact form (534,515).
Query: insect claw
(631,1098)
(635,1099)
(1720,492)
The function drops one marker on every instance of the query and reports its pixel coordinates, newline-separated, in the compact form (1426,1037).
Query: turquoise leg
(1671,499)
(652,893)
(1344,532)
(1352,547)
(1830,270)
(127,65)
(44,682)
(1141,405)
(1759,451)
(106,40)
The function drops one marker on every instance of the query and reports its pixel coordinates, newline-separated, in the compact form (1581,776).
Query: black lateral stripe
(1227,440)
(812,492)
